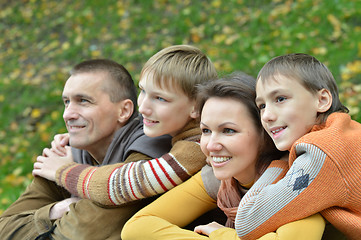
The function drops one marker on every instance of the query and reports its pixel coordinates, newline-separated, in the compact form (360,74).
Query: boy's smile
(288,110)
(164,111)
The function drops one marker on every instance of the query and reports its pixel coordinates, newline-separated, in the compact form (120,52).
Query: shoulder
(211,183)
(153,147)
(339,129)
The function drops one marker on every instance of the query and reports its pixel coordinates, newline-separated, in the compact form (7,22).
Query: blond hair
(180,66)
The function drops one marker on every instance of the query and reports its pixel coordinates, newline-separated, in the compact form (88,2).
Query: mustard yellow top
(164,218)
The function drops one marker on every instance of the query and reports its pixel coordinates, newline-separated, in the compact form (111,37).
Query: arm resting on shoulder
(310,228)
(163,218)
(121,183)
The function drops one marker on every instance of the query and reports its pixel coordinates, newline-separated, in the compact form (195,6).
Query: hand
(59,143)
(47,165)
(57,211)
(207,229)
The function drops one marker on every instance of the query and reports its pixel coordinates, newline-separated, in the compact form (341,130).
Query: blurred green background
(42,39)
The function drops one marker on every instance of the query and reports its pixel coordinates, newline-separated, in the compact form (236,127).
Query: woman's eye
(229,130)
(205,131)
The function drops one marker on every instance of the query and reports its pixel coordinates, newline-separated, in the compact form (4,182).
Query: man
(104,128)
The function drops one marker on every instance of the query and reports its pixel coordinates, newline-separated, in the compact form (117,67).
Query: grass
(42,39)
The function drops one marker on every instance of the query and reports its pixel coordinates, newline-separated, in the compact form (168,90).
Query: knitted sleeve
(303,192)
(165,217)
(121,183)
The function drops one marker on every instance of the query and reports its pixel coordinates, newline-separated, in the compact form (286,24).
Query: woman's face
(230,139)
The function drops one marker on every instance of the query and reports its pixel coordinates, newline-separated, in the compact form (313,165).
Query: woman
(239,151)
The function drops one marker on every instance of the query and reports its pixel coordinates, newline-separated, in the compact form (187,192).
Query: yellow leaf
(35,113)
(216,4)
(2,98)
(95,53)
(5,201)
(55,115)
(65,45)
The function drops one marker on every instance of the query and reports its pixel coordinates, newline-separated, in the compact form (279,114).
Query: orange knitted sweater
(324,176)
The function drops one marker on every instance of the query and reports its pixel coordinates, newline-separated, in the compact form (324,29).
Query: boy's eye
(161,99)
(280,99)
(261,106)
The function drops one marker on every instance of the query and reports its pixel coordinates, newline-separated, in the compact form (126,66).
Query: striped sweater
(125,182)
(324,176)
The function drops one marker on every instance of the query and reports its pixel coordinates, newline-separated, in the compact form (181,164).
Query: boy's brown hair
(182,66)
(311,73)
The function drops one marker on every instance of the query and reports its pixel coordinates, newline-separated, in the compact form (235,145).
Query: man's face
(90,117)
(288,110)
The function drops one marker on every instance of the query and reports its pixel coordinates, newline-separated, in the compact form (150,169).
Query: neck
(98,152)
(97,156)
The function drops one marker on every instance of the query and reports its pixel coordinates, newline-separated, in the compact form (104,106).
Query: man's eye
(66,102)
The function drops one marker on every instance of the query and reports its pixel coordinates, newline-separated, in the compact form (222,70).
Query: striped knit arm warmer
(121,183)
(75,178)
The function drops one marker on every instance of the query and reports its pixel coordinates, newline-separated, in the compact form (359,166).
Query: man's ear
(125,110)
(324,100)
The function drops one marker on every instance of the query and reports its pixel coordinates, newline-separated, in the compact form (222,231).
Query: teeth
(276,131)
(220,159)
(150,121)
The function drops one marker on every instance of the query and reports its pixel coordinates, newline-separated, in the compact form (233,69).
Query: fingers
(37,168)
(47,152)
(57,148)
(62,139)
(68,151)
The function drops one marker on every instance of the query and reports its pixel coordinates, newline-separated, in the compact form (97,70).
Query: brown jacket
(28,217)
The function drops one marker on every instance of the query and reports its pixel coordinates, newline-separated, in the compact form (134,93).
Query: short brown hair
(312,74)
(121,85)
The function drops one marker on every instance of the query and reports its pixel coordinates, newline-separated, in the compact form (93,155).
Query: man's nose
(70,112)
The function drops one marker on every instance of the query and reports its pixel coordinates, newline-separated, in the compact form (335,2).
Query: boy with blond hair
(301,111)
(167,103)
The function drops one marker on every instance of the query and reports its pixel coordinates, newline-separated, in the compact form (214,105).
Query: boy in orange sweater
(300,109)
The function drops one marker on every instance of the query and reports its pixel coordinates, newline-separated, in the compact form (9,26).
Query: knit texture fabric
(121,183)
(325,168)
